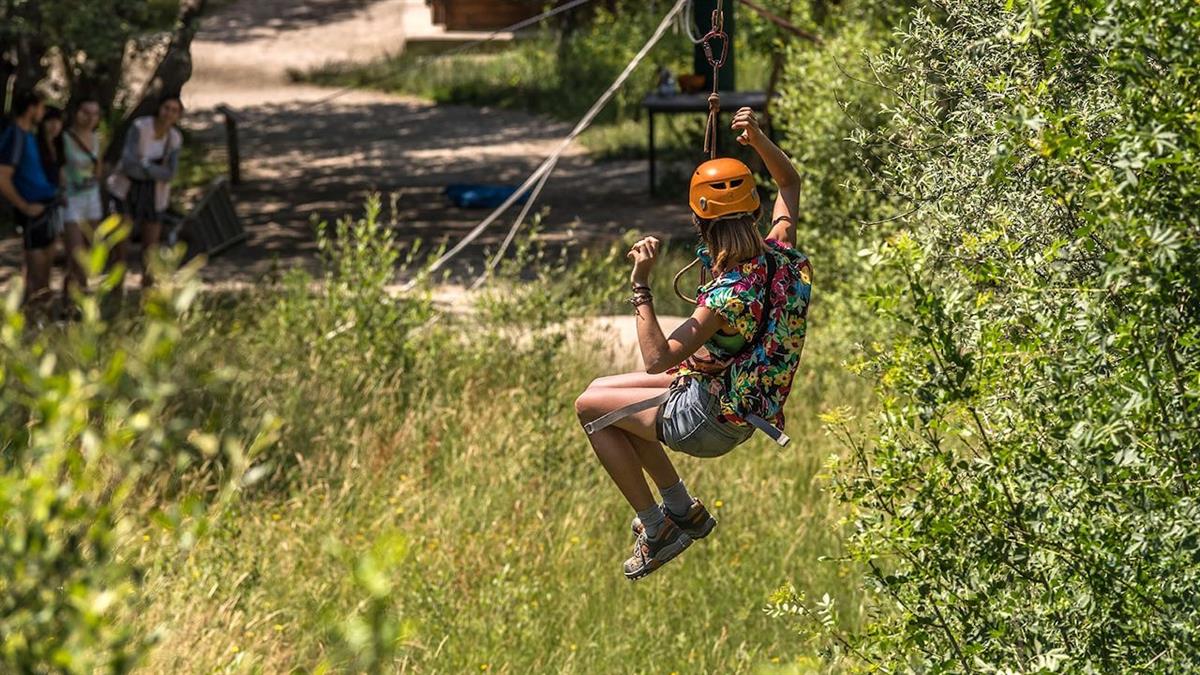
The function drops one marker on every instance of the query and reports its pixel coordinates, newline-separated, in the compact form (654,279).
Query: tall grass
(454,435)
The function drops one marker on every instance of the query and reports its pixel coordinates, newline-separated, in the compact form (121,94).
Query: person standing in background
(141,182)
(50,145)
(83,171)
(23,182)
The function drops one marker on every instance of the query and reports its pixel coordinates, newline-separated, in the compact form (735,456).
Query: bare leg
(634,380)
(651,454)
(621,461)
(655,461)
(73,240)
(615,445)
(151,236)
(37,278)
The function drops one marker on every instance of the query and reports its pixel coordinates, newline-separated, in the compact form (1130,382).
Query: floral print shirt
(759,380)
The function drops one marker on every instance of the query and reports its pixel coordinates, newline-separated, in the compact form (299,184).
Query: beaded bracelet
(639,298)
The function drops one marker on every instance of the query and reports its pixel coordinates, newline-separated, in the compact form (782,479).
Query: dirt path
(306,156)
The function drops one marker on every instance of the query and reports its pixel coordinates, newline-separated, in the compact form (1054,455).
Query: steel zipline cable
(548,164)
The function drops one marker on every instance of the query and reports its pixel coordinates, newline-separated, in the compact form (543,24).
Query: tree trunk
(101,81)
(172,72)
(27,50)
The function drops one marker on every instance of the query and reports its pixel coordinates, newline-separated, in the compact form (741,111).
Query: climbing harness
(621,413)
(720,188)
(757,422)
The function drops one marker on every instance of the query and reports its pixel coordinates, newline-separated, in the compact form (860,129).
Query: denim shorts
(689,422)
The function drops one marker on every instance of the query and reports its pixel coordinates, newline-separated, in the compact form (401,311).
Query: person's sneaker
(697,523)
(649,554)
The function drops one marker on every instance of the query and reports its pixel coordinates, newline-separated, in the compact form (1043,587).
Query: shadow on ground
(306,163)
(254,20)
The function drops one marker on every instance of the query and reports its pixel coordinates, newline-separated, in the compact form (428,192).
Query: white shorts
(84,207)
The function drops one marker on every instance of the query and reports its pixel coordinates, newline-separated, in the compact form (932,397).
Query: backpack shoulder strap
(82,148)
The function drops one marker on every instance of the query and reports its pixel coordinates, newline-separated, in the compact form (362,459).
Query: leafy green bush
(1023,496)
(89,419)
(372,635)
(341,346)
(828,100)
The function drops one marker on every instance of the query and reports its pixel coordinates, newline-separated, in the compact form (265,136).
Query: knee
(583,405)
(588,404)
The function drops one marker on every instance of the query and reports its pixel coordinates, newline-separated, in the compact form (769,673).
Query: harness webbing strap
(634,408)
(621,413)
(757,422)
(769,429)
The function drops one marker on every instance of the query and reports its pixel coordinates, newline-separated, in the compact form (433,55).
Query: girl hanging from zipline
(726,371)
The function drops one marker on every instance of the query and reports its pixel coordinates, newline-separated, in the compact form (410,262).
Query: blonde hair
(731,240)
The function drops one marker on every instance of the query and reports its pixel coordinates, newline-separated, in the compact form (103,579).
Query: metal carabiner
(706,42)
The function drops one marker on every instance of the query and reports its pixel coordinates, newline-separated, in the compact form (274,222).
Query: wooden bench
(676,104)
(213,225)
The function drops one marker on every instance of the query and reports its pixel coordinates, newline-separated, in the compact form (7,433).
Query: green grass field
(466,485)
(514,538)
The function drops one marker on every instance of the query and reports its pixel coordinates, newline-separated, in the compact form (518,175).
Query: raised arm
(787,204)
(659,353)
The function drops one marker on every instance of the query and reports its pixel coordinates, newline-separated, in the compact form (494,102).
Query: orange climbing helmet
(723,187)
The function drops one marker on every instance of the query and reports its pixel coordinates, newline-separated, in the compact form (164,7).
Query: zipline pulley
(716,33)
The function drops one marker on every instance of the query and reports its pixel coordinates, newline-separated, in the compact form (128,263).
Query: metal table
(731,101)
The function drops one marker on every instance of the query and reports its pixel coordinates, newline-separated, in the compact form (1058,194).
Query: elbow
(657,366)
(789,183)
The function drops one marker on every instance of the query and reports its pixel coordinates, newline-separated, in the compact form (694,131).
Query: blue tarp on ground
(481,196)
